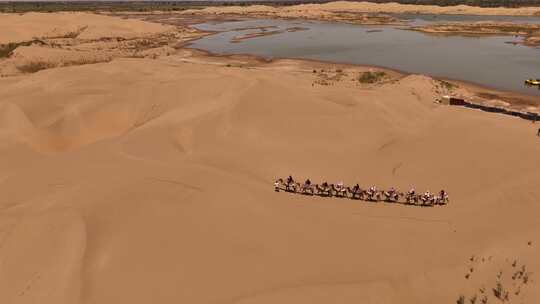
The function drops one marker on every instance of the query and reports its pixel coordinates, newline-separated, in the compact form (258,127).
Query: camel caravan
(372,194)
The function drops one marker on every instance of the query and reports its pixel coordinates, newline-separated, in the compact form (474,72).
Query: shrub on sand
(35,66)
(371,77)
(447,85)
(6,49)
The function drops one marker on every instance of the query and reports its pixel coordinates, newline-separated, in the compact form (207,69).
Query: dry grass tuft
(72,34)
(35,66)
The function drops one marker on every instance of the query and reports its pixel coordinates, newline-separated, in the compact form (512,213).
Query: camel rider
(276,185)
(339,185)
(290,180)
(324,185)
(356,187)
(412,191)
(308,182)
(372,189)
(443,194)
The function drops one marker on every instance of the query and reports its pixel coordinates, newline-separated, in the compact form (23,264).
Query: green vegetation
(371,77)
(447,85)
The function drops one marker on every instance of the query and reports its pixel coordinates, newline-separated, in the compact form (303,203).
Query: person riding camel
(411,195)
(290,180)
(443,196)
(308,182)
(392,193)
(356,187)
(339,185)
(426,196)
(276,185)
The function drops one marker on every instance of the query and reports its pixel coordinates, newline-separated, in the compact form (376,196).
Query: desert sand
(37,41)
(149,180)
(327,10)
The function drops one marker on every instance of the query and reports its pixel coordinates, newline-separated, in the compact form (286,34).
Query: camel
(411,198)
(291,187)
(427,199)
(307,189)
(277,184)
(442,200)
(338,191)
(324,189)
(373,195)
(391,195)
(356,192)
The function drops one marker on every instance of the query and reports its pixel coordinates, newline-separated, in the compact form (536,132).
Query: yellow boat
(532,81)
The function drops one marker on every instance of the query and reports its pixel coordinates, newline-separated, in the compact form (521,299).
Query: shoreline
(517,100)
(528,31)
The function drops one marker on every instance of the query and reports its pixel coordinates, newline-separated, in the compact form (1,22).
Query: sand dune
(141,180)
(158,188)
(91,26)
(37,41)
(314,10)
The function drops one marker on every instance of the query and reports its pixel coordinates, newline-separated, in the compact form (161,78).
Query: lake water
(492,61)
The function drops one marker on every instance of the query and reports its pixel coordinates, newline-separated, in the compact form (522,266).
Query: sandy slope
(314,10)
(150,181)
(143,181)
(65,39)
(24,27)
